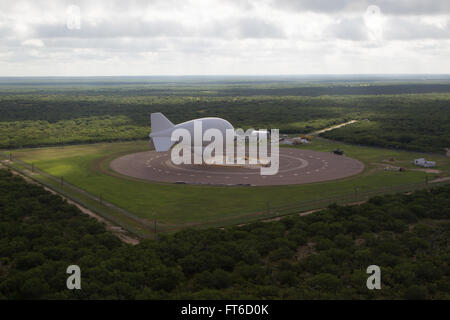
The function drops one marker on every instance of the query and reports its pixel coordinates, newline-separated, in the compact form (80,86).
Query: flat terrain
(88,166)
(402,112)
(296,167)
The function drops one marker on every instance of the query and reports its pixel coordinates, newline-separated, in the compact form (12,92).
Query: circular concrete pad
(297,166)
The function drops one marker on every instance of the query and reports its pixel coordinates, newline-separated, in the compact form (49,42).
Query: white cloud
(33,43)
(223,37)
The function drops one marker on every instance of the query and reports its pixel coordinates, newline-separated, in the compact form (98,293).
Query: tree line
(319,256)
(416,121)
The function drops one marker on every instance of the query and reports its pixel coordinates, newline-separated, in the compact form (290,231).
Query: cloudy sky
(196,37)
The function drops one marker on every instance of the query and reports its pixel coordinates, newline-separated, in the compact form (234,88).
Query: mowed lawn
(87,166)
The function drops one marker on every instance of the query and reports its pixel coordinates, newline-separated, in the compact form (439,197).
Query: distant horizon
(237,75)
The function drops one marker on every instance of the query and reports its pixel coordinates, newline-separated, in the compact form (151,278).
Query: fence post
(62,181)
(156,233)
(268,207)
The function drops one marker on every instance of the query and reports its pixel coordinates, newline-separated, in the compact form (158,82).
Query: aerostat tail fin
(161,132)
(162,144)
(159,122)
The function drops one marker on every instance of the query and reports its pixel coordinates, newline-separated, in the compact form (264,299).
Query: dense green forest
(319,256)
(416,123)
(413,116)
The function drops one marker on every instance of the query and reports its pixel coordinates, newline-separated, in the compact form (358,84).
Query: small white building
(303,140)
(300,140)
(424,163)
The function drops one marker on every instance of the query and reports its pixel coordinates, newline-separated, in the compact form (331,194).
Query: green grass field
(87,166)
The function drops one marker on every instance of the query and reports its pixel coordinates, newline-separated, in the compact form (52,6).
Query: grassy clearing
(373,155)
(87,166)
(133,225)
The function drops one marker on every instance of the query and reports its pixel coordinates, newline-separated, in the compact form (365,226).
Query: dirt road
(116,230)
(315,133)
